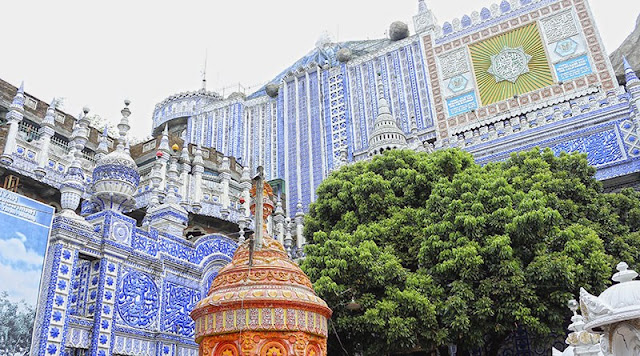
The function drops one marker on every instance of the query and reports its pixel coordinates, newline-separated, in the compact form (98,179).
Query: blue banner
(462,104)
(573,68)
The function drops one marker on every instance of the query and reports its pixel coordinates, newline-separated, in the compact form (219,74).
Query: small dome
(398,31)
(237,95)
(272,89)
(344,55)
(617,303)
(116,175)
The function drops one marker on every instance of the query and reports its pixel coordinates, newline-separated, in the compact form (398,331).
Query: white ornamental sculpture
(509,64)
(615,314)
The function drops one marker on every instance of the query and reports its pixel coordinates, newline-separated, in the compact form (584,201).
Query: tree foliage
(436,249)
(16,325)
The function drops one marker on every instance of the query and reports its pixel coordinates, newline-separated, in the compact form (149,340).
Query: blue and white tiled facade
(105,297)
(115,286)
(323,112)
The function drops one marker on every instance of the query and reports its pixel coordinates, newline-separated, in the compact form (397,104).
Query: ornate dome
(617,303)
(116,172)
(261,303)
(116,177)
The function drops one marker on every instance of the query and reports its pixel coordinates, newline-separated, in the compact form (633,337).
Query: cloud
(13,251)
(20,284)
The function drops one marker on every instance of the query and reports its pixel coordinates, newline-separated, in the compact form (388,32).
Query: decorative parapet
(486,17)
(184,104)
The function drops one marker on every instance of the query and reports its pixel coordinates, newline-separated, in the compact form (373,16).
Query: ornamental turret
(15,115)
(261,303)
(116,177)
(632,84)
(278,220)
(169,217)
(386,134)
(46,132)
(72,187)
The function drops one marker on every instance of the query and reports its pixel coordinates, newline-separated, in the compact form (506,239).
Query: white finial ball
(85,110)
(573,305)
(127,102)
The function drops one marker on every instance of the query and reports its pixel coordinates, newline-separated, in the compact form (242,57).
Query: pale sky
(97,53)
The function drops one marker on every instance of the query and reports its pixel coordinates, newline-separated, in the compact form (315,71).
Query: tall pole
(259,181)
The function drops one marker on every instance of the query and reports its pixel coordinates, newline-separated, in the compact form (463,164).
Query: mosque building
(141,231)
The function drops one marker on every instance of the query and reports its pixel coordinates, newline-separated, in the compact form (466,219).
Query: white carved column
(300,226)
(278,219)
(225,177)
(197,171)
(185,161)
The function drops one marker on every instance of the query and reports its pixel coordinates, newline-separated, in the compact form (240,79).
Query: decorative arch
(273,348)
(226,349)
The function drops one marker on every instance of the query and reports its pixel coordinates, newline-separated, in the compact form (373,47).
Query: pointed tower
(185,177)
(248,311)
(15,115)
(103,146)
(46,132)
(424,20)
(632,84)
(386,134)
(73,184)
(169,217)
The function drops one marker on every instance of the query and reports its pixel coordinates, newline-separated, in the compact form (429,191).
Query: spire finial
(18,100)
(184,154)
(164,141)
(103,147)
(629,73)
(422,6)
(624,274)
(383,105)
(123,126)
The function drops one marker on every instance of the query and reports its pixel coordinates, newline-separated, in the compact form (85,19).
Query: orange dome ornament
(261,303)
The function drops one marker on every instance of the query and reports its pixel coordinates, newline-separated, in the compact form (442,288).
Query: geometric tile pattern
(485,53)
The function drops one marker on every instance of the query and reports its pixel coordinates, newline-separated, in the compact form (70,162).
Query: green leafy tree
(437,250)
(16,325)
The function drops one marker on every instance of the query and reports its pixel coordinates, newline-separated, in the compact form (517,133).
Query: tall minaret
(424,20)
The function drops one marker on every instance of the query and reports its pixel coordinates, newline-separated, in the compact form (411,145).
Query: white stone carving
(453,63)
(559,27)
(509,64)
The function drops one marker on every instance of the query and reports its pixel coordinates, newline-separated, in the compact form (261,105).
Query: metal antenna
(204,71)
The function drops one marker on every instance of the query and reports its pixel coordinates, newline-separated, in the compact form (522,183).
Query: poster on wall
(24,233)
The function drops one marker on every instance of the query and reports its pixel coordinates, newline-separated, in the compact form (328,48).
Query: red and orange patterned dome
(264,307)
